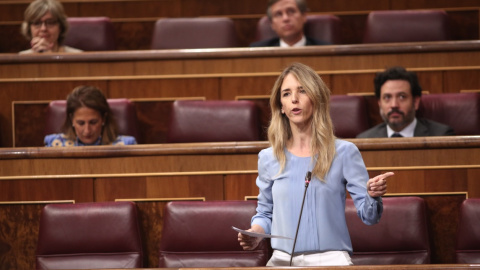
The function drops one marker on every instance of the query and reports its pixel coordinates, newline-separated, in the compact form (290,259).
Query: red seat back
(349,115)
(213,121)
(401,236)
(468,235)
(461,111)
(91,34)
(193,33)
(200,234)
(89,235)
(406,26)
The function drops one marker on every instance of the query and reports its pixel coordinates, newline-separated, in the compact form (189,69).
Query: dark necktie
(396,135)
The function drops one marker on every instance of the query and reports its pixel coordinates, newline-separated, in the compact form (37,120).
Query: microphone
(308,177)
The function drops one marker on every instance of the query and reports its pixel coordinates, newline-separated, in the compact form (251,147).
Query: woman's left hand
(377,186)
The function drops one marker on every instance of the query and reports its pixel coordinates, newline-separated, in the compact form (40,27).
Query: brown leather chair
(461,111)
(123,111)
(468,235)
(89,235)
(385,26)
(213,121)
(193,33)
(324,28)
(91,34)
(349,115)
(200,234)
(401,236)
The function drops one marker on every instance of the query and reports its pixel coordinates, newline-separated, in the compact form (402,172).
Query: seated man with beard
(398,93)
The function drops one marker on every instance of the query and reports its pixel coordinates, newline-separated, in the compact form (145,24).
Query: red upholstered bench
(468,236)
(213,121)
(401,236)
(89,236)
(199,234)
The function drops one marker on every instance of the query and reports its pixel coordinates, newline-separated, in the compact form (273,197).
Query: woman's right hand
(40,45)
(249,242)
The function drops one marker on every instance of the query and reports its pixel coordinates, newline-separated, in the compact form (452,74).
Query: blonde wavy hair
(323,138)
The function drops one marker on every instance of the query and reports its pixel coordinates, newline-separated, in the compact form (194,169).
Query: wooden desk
(442,170)
(241,60)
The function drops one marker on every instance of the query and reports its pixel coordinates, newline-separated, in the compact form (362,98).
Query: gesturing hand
(377,186)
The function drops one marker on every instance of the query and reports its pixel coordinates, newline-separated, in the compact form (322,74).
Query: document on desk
(260,234)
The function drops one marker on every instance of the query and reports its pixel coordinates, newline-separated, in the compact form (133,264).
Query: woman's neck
(300,142)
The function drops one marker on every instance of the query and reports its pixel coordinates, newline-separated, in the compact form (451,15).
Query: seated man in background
(398,93)
(45,26)
(287,18)
(89,121)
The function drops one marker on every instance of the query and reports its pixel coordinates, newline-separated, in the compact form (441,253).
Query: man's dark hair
(301,4)
(397,73)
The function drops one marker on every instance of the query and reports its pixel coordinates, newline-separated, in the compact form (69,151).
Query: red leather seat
(324,28)
(91,34)
(193,33)
(401,236)
(384,26)
(213,121)
(468,236)
(461,111)
(89,235)
(123,110)
(349,115)
(200,234)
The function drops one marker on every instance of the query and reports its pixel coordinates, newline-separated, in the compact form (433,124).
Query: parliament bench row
(245,119)
(346,28)
(199,234)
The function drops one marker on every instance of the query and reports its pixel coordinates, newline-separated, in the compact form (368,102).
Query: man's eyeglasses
(48,23)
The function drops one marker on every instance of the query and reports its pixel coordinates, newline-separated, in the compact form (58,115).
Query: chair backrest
(349,115)
(193,33)
(213,121)
(200,234)
(461,111)
(384,26)
(468,235)
(401,236)
(324,28)
(89,235)
(91,34)
(123,111)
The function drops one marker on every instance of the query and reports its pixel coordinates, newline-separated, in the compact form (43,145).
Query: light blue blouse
(60,140)
(323,226)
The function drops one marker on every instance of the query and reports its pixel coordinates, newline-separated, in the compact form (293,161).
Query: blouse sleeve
(265,199)
(368,209)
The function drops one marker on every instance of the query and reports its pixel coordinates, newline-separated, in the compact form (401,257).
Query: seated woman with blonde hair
(89,121)
(45,26)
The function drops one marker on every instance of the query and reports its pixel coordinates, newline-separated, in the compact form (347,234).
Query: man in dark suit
(287,18)
(399,93)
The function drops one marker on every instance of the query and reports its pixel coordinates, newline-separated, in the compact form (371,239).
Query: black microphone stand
(307,181)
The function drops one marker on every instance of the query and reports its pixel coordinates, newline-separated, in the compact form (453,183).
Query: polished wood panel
(19,233)
(240,60)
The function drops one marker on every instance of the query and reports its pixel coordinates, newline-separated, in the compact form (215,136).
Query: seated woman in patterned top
(89,121)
